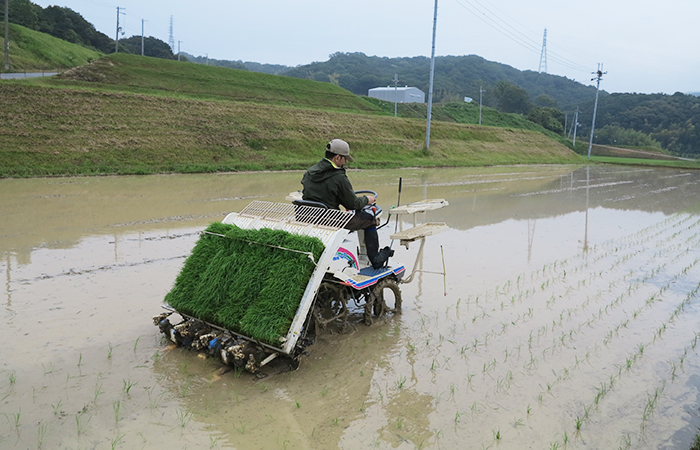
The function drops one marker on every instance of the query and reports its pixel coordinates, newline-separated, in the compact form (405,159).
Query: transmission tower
(543,55)
(171,40)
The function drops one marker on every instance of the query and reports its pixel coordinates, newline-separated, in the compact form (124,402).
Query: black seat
(305,215)
(309,203)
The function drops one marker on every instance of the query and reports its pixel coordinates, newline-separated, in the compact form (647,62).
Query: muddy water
(568,318)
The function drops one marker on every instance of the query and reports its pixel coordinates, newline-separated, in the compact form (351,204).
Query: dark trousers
(362,220)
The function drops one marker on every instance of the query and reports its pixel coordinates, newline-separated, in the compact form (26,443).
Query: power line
(490,21)
(512,33)
(532,44)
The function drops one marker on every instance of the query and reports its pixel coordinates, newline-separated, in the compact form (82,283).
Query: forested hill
(672,120)
(456,77)
(272,69)
(60,22)
(657,120)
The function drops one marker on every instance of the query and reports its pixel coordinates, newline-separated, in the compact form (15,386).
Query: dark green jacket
(330,186)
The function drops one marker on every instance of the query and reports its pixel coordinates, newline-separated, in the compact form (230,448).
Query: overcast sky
(646,46)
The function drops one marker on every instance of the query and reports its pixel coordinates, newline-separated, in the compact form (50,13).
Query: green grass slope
(34,51)
(138,74)
(47,131)
(126,114)
(464,113)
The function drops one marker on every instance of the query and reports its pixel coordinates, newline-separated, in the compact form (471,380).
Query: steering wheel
(373,209)
(367,192)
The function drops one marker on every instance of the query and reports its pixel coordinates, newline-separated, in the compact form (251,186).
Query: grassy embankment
(132,115)
(32,51)
(467,113)
(126,114)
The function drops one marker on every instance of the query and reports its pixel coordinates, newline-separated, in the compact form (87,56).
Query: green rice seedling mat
(244,282)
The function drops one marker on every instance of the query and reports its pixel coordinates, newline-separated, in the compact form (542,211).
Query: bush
(614,135)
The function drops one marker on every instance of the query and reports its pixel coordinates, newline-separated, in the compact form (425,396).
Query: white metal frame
(326,225)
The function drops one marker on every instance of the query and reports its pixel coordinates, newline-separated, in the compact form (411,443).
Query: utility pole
(571,128)
(598,76)
(543,55)
(575,125)
(116,41)
(178,50)
(396,92)
(7,35)
(432,73)
(481,96)
(142,21)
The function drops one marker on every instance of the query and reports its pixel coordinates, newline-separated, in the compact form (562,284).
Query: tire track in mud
(78,272)
(115,266)
(595,333)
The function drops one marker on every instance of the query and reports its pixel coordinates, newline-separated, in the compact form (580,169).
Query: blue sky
(645,46)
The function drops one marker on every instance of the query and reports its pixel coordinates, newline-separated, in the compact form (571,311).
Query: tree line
(66,24)
(670,120)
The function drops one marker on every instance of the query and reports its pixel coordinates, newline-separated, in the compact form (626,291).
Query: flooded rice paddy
(569,318)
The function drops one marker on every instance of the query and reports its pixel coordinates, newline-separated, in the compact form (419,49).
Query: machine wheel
(330,308)
(387,297)
(370,301)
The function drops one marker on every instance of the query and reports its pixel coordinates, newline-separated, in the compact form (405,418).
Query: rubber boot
(376,257)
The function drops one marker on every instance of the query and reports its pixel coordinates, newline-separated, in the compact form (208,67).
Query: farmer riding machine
(264,282)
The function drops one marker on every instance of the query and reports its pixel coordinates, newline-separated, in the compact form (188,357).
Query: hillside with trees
(59,22)
(456,77)
(670,120)
(657,120)
(68,25)
(152,47)
(271,69)
(129,114)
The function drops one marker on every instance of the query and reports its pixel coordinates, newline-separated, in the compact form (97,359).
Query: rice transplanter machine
(343,282)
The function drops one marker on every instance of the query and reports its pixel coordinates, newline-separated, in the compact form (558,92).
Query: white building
(398,94)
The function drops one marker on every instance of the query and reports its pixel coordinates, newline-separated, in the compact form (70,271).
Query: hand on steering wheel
(372,198)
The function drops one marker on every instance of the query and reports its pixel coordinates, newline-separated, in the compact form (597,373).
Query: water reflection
(521,197)
(309,408)
(8,292)
(55,213)
(585,234)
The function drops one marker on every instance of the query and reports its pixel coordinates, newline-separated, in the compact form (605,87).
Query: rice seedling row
(516,339)
(541,331)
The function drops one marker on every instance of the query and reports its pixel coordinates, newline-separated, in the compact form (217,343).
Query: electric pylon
(543,55)
(171,40)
